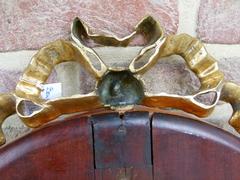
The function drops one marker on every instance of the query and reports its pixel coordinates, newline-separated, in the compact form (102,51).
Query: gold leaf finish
(190,49)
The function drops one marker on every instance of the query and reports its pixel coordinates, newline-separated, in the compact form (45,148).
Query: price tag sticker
(51,91)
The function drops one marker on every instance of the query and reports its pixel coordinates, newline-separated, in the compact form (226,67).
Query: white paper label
(51,91)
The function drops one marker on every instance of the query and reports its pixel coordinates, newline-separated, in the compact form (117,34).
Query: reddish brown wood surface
(133,147)
(187,149)
(61,151)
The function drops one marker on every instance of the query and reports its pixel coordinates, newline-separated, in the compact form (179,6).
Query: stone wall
(26,25)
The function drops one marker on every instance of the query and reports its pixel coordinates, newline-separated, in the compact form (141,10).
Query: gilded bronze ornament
(119,89)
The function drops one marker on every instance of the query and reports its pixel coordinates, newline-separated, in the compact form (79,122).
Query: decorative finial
(119,89)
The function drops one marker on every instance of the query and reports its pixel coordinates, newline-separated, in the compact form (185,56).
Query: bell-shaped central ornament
(120,88)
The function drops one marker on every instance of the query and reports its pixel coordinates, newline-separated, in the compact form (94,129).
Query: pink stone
(29,24)
(9,79)
(219,21)
(230,67)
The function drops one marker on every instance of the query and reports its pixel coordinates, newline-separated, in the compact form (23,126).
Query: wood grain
(188,149)
(106,147)
(60,151)
(122,146)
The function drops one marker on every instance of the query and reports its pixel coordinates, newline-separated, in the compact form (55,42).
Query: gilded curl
(190,49)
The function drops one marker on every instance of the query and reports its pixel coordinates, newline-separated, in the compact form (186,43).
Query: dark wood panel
(143,173)
(182,149)
(60,151)
(122,143)
(110,174)
(188,149)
